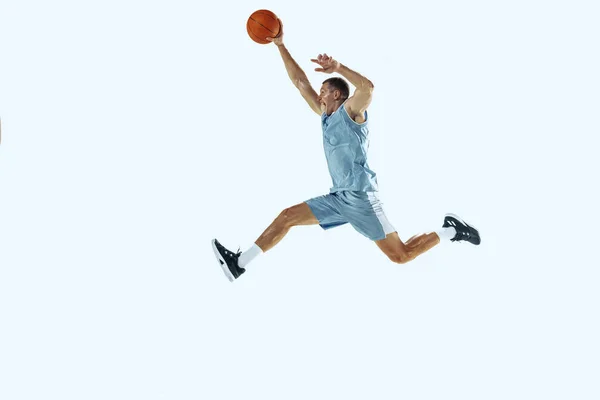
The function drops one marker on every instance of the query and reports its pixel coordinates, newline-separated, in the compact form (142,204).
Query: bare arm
(296,74)
(357,104)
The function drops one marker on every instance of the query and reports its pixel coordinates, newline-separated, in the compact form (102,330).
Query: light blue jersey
(346,143)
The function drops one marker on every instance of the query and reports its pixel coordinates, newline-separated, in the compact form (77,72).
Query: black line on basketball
(262,25)
(264,13)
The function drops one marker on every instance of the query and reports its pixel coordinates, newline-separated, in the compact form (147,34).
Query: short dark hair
(339,84)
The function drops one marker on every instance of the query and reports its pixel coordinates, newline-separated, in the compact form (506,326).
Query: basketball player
(353,198)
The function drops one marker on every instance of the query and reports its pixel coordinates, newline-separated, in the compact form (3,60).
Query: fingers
(325,61)
(322,58)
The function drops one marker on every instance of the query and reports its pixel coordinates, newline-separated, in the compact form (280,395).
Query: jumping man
(353,198)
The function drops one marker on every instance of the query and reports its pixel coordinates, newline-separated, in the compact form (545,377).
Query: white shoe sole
(222,262)
(461,220)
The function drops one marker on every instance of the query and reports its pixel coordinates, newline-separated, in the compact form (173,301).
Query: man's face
(327,95)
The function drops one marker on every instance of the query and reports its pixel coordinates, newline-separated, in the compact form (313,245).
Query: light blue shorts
(362,210)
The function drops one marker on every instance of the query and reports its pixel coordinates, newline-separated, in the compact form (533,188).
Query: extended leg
(234,264)
(300,214)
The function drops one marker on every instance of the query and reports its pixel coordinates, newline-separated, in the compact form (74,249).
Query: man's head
(333,93)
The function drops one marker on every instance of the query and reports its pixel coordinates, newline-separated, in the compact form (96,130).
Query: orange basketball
(261,25)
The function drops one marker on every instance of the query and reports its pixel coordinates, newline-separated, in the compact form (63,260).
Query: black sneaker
(228,261)
(464,231)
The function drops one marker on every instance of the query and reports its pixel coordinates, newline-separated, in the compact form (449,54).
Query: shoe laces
(463,235)
(230,253)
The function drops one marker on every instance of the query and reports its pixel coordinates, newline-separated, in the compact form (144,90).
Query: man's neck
(334,107)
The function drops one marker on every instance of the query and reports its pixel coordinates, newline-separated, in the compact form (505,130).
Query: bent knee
(400,258)
(300,214)
(287,217)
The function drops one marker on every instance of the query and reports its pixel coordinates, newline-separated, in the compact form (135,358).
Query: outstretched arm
(296,73)
(357,104)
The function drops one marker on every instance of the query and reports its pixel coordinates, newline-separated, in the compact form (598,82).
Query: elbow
(301,83)
(367,86)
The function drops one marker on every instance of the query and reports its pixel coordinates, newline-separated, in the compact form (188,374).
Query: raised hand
(278,40)
(327,63)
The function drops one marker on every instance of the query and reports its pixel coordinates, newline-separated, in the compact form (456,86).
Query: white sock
(249,255)
(447,233)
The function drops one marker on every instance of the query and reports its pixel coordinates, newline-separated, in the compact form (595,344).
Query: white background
(135,132)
